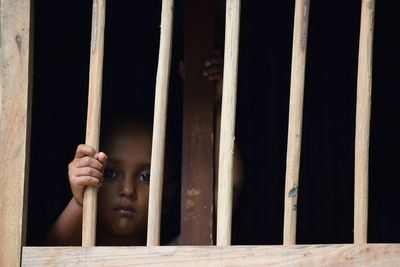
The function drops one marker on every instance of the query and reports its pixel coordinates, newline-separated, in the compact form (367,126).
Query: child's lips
(125,210)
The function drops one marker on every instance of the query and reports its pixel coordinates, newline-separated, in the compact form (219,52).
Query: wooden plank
(208,256)
(363,118)
(93,116)
(198,123)
(16,58)
(299,49)
(228,115)
(159,125)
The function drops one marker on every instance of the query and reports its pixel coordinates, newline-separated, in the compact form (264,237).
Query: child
(122,174)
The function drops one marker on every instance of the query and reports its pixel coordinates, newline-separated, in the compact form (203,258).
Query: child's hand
(86,169)
(213,71)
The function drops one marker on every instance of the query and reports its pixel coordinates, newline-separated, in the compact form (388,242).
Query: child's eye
(145,177)
(109,173)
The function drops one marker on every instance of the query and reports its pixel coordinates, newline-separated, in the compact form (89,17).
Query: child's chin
(126,228)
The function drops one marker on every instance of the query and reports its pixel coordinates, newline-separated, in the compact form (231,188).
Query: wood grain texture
(299,49)
(363,118)
(159,124)
(16,58)
(93,116)
(207,256)
(228,115)
(197,199)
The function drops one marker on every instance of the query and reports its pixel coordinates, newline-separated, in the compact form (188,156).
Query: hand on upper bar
(213,71)
(86,169)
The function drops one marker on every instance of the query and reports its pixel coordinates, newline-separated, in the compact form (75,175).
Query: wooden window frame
(16,57)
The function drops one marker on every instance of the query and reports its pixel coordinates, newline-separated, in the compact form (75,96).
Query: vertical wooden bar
(363,117)
(299,49)
(228,114)
(198,123)
(16,58)
(93,116)
(159,126)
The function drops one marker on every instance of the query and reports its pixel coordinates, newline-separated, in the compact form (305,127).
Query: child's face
(124,195)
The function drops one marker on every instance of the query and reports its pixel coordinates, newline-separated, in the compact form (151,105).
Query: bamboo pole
(299,50)
(93,116)
(159,124)
(228,113)
(363,115)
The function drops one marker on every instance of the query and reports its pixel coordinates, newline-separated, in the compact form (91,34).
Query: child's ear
(168,195)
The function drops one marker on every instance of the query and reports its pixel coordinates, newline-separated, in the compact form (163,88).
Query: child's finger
(89,162)
(213,61)
(214,77)
(213,70)
(83,181)
(87,171)
(85,150)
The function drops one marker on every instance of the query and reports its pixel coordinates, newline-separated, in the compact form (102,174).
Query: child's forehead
(122,127)
(123,133)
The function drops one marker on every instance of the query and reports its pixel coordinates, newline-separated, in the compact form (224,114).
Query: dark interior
(325,210)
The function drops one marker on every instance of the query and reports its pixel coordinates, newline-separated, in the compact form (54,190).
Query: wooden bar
(159,126)
(208,256)
(16,58)
(93,116)
(198,123)
(363,118)
(299,49)
(228,114)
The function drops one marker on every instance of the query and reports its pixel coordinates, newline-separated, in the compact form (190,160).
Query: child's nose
(128,187)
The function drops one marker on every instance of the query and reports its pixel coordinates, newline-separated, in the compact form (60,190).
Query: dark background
(325,210)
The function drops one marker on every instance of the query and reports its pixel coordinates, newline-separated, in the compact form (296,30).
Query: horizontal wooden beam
(300,255)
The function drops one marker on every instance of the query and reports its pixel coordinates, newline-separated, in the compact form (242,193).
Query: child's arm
(213,71)
(86,169)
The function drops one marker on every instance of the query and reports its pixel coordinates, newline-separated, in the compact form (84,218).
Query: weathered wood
(16,58)
(198,123)
(93,116)
(246,256)
(159,125)
(363,118)
(299,49)
(228,115)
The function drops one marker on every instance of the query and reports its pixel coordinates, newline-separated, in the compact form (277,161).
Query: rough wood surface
(228,115)
(93,116)
(16,58)
(299,49)
(159,124)
(363,118)
(198,123)
(207,256)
